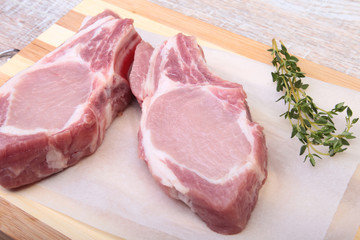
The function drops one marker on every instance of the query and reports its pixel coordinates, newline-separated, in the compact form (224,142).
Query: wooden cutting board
(31,220)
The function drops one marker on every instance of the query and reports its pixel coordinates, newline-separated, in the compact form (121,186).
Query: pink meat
(196,134)
(56,112)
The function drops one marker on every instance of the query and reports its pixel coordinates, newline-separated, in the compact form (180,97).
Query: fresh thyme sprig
(312,125)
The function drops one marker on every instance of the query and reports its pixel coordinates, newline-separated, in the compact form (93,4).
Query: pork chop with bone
(196,134)
(56,112)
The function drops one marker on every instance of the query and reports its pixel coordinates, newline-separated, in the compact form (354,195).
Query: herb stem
(312,125)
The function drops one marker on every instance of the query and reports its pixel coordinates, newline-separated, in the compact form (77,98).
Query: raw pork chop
(55,112)
(196,134)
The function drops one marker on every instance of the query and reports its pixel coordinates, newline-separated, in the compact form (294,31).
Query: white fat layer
(165,86)
(108,115)
(159,168)
(156,160)
(55,159)
(148,85)
(86,19)
(156,157)
(17,131)
(251,164)
(185,199)
(77,115)
(98,24)
(248,132)
(8,87)
(16,171)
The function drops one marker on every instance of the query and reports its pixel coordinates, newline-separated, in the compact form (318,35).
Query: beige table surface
(326,32)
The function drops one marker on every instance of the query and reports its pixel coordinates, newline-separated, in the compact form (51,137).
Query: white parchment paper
(112,190)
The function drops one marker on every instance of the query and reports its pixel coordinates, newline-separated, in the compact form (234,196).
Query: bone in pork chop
(55,112)
(196,134)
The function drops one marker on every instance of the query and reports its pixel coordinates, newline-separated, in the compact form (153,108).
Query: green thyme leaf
(302,149)
(312,125)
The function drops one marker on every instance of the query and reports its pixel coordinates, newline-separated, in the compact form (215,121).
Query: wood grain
(357,236)
(215,35)
(324,32)
(21,21)
(36,50)
(54,220)
(72,21)
(17,224)
(231,41)
(4,236)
